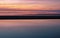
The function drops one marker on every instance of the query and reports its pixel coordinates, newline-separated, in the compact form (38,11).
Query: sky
(11,7)
(31,4)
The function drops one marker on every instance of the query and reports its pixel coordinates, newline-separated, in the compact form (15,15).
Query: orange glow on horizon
(29,7)
(24,6)
(30,4)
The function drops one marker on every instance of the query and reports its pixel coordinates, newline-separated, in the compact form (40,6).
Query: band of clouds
(29,1)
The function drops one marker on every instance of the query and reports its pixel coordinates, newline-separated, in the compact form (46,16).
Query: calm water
(48,28)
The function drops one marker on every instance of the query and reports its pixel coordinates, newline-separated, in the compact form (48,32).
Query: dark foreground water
(30,28)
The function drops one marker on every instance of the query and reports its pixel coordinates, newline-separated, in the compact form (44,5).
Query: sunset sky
(31,4)
(11,7)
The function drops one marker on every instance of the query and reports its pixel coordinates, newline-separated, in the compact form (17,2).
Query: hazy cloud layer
(28,1)
(26,12)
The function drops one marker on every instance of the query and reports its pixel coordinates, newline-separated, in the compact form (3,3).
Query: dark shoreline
(32,17)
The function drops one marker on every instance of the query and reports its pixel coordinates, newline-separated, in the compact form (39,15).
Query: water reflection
(49,28)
